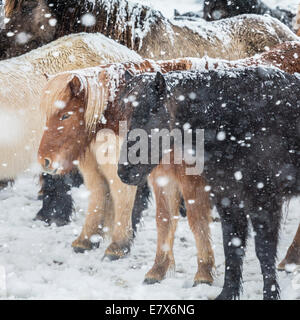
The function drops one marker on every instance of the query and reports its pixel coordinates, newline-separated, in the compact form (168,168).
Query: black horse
(251,123)
(220,9)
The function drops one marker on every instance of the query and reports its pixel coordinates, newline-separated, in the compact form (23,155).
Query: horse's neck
(127,23)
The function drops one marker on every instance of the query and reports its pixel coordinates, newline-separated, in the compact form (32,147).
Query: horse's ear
(75,86)
(128,76)
(160,83)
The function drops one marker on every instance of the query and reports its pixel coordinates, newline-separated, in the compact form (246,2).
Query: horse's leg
(123,197)
(293,253)
(100,208)
(266,224)
(235,230)
(57,203)
(168,200)
(198,213)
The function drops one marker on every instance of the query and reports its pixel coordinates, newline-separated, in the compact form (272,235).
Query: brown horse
(86,124)
(136,26)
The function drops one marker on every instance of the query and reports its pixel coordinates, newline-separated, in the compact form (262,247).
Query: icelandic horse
(97,100)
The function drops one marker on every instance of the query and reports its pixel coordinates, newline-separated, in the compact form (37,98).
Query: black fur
(74,178)
(220,9)
(54,210)
(140,204)
(57,202)
(258,111)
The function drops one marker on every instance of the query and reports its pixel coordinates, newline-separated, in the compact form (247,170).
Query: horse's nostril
(47,163)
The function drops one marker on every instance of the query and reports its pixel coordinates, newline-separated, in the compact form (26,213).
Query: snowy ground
(40,264)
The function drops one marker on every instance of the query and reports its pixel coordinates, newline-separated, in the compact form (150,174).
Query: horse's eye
(154,109)
(65,116)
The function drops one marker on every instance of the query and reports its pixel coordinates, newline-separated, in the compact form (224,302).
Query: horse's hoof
(203,276)
(281,266)
(116,252)
(228,295)
(198,282)
(288,267)
(150,281)
(111,257)
(82,246)
(79,250)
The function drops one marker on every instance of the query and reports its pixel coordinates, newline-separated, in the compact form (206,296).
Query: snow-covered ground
(39,262)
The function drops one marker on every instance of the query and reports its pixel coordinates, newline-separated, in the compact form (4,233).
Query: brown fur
(148,32)
(198,213)
(11,6)
(293,253)
(284,56)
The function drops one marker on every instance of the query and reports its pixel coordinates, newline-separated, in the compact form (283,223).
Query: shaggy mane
(96,92)
(11,6)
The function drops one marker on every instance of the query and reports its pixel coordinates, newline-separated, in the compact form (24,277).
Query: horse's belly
(20,134)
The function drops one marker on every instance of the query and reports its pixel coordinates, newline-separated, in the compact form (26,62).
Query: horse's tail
(297,22)
(140,204)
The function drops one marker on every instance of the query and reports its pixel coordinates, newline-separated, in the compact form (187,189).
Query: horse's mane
(11,6)
(95,89)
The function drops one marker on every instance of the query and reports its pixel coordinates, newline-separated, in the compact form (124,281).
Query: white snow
(37,262)
(88,20)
